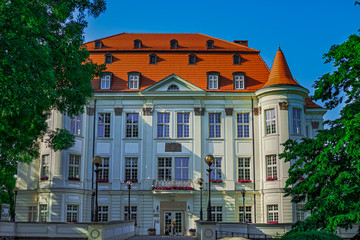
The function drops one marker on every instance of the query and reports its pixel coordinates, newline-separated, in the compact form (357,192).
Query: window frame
(72,166)
(216,173)
(182,168)
(210,44)
(132,128)
(300,212)
(242,80)
(153,59)
(43,212)
(215,213)
(103,214)
(109,57)
(32,213)
(173,88)
(296,122)
(132,81)
(245,169)
(167,170)
(272,122)
(272,169)
(75,125)
(98,44)
(186,126)
(248,214)
(74,214)
(217,125)
(274,213)
(137,44)
(243,125)
(104,170)
(236,56)
(131,169)
(174,44)
(192,59)
(106,123)
(105,81)
(212,82)
(133,213)
(165,126)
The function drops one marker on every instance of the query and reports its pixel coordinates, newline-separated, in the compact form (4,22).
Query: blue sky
(304,29)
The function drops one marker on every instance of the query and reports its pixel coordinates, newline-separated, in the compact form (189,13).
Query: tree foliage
(330,163)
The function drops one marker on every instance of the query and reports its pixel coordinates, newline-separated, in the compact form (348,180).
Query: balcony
(172,185)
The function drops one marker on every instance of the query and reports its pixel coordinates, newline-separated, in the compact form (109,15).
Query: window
(44,175)
(133,213)
(213,81)
(164,170)
(105,81)
(104,125)
(75,125)
(271,163)
(236,59)
(247,214)
(103,213)
(108,59)
(214,125)
(137,44)
(243,125)
(239,80)
(72,212)
(43,213)
(270,121)
(173,88)
(132,125)
(131,169)
(307,131)
(152,59)
(163,126)
(74,166)
(32,213)
(243,169)
(183,125)
(296,121)
(215,174)
(134,80)
(273,214)
(216,214)
(104,170)
(300,212)
(173,44)
(192,59)
(98,44)
(210,44)
(181,169)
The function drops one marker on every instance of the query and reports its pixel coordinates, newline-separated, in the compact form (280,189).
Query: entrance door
(169,217)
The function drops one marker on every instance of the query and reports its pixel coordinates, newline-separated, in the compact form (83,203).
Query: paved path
(162,238)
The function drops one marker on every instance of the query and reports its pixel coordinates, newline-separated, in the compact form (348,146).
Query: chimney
(241,42)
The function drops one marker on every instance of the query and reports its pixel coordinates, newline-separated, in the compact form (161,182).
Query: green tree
(43,66)
(330,163)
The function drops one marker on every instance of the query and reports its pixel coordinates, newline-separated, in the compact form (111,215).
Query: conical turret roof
(280,72)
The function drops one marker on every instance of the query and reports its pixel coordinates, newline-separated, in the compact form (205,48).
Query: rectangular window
(183,125)
(296,121)
(216,214)
(300,212)
(273,214)
(213,81)
(214,125)
(132,125)
(72,213)
(270,121)
(32,213)
(247,214)
(131,169)
(104,170)
(164,169)
(181,169)
(74,166)
(163,126)
(45,167)
(103,213)
(105,81)
(243,125)
(133,213)
(43,213)
(216,170)
(75,125)
(133,81)
(271,165)
(243,169)
(104,125)
(239,81)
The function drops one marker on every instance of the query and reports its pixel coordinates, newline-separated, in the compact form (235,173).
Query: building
(163,104)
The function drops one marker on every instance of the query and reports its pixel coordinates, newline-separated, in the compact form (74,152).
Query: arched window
(173,44)
(137,44)
(210,44)
(192,59)
(152,59)
(236,59)
(173,88)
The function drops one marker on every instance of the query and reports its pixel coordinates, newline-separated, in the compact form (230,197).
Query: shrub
(310,235)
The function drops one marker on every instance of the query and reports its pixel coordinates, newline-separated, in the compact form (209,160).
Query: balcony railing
(165,185)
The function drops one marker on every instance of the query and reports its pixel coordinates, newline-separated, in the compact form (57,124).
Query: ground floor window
(247,214)
(72,213)
(216,214)
(43,213)
(273,213)
(32,213)
(133,213)
(103,213)
(300,213)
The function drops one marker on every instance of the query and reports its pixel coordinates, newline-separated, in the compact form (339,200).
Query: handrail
(222,234)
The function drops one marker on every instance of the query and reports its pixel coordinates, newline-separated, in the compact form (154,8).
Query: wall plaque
(257,111)
(89,111)
(172,147)
(229,111)
(148,111)
(118,111)
(284,105)
(199,111)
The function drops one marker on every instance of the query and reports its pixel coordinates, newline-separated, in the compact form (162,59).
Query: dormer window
(134,80)
(239,80)
(105,81)
(137,44)
(173,44)
(98,44)
(192,59)
(173,88)
(152,59)
(210,44)
(213,80)
(236,59)
(108,59)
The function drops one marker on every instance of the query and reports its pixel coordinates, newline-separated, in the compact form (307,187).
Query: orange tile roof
(310,104)
(280,72)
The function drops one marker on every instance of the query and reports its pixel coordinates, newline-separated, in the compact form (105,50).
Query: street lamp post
(129,184)
(97,162)
(200,182)
(15,195)
(243,192)
(209,159)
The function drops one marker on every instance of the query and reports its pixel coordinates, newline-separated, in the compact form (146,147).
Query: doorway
(178,217)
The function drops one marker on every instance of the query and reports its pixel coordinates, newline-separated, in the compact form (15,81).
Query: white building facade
(157,129)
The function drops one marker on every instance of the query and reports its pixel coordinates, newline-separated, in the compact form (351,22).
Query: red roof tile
(311,104)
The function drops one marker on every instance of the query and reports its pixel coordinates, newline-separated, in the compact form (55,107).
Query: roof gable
(172,80)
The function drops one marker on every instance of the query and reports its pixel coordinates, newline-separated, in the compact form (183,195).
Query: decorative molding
(172,147)
(89,111)
(118,111)
(199,111)
(315,125)
(148,111)
(284,105)
(257,111)
(229,111)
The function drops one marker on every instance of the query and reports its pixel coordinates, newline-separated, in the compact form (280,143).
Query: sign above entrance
(172,147)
